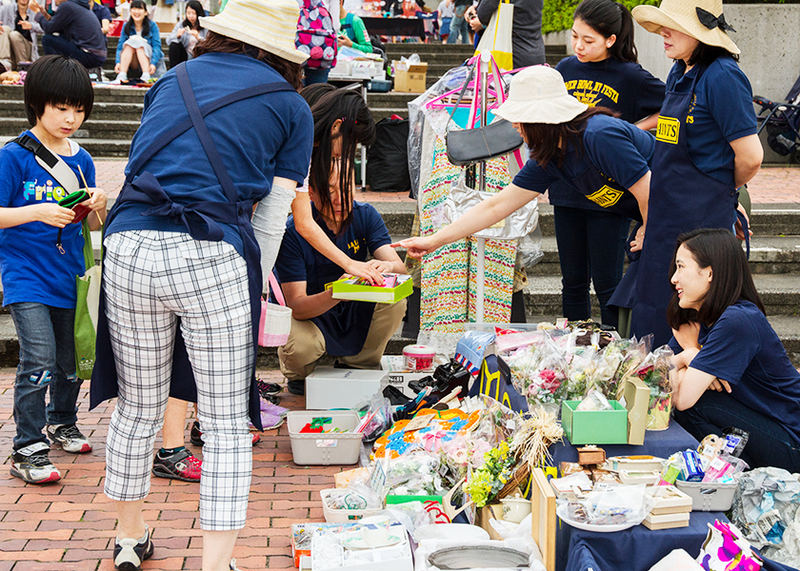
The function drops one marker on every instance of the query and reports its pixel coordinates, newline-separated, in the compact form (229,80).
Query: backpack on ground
(316,35)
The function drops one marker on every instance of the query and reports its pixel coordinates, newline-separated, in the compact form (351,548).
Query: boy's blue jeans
(46,359)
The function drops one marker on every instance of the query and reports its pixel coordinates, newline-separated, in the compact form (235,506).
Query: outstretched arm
(487,213)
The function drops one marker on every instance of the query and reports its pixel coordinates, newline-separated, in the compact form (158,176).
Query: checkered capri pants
(151,278)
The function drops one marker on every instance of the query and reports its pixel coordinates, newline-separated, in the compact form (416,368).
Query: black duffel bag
(387,158)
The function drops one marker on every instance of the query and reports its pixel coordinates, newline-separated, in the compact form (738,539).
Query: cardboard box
(662,500)
(666,521)
(392,558)
(328,388)
(356,289)
(636,395)
(594,426)
(412,79)
(398,376)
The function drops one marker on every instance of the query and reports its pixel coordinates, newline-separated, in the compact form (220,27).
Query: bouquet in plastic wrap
(539,374)
(604,377)
(654,372)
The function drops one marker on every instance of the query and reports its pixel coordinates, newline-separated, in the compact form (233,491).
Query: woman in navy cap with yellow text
(706,145)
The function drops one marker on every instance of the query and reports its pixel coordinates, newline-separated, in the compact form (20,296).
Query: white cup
(515,509)
(375,530)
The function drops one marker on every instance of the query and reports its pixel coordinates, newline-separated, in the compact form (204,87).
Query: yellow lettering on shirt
(590,92)
(689,119)
(668,130)
(606,196)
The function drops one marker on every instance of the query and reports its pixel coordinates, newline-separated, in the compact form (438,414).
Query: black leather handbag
(469,146)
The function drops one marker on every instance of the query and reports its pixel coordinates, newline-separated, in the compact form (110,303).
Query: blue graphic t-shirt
(622,86)
(32,268)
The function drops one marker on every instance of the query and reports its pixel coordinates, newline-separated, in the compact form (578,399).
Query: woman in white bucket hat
(706,147)
(597,155)
(220,135)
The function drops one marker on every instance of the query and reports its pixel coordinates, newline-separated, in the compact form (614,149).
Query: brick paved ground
(69,525)
(778,184)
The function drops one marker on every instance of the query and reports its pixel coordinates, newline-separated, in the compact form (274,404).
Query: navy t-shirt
(722,112)
(615,147)
(258,138)
(298,261)
(33,269)
(624,87)
(743,349)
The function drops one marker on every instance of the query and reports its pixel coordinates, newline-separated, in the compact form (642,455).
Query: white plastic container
(328,388)
(315,449)
(708,496)
(343,516)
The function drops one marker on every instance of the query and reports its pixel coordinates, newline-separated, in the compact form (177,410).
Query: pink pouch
(276,319)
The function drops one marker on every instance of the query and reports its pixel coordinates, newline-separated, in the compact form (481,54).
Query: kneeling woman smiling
(732,368)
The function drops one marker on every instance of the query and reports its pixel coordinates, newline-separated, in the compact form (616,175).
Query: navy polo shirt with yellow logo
(618,149)
(722,111)
(298,261)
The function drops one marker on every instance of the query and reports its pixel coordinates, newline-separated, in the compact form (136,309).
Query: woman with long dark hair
(604,72)
(139,44)
(732,370)
(186,34)
(706,144)
(596,154)
(186,261)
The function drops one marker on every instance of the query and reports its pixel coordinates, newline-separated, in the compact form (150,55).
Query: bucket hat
(538,95)
(267,24)
(700,19)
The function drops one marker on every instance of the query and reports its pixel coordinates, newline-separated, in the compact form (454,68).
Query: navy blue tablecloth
(661,443)
(635,549)
(395,27)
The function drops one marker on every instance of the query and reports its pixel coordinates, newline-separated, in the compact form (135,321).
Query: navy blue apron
(606,192)
(682,198)
(202,220)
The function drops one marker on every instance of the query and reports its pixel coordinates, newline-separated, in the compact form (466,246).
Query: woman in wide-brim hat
(595,154)
(706,147)
(221,135)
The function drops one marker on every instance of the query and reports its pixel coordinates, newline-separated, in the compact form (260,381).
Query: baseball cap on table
(267,24)
(538,95)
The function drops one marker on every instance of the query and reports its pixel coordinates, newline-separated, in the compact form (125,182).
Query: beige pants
(306,344)
(14,47)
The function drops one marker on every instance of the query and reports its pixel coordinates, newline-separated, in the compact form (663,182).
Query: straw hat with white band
(267,24)
(700,19)
(538,95)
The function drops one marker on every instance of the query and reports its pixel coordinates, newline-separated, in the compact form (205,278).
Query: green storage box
(594,426)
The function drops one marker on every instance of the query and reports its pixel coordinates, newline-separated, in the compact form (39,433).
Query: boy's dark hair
(731,279)
(549,142)
(315,91)
(199,10)
(130,27)
(217,43)
(609,18)
(705,55)
(357,126)
(57,80)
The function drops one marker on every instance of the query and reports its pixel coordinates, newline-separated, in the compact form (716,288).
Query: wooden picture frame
(543,512)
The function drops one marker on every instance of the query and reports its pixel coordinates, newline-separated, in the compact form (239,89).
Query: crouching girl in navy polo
(38,276)
(732,368)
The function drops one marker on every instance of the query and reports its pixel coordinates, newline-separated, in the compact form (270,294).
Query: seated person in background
(186,34)
(732,370)
(139,45)
(80,35)
(354,331)
(103,15)
(18,34)
(353,33)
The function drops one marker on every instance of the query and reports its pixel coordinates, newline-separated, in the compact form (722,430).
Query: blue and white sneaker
(129,553)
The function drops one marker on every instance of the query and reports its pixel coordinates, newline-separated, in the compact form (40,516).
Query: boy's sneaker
(183,465)
(196,435)
(32,464)
(296,387)
(69,437)
(129,553)
(268,389)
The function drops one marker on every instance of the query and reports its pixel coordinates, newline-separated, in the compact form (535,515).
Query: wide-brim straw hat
(267,24)
(684,16)
(538,95)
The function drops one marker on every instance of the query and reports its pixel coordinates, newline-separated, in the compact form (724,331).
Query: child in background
(446,11)
(139,45)
(353,33)
(38,280)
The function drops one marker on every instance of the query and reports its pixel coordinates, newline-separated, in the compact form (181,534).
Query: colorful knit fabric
(449,274)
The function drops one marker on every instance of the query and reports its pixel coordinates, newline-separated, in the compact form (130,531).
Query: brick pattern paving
(69,525)
(772,184)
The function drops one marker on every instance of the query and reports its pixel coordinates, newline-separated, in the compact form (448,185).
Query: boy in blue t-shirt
(39,277)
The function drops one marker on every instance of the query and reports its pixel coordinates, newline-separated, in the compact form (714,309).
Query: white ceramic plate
(596,527)
(357,542)
(460,531)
